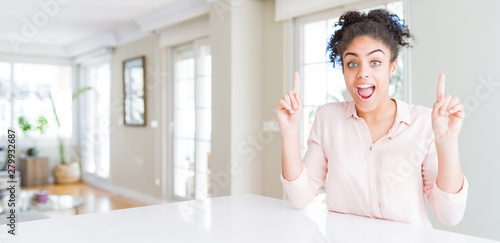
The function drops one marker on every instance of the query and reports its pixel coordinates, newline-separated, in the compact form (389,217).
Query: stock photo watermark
(249,148)
(222,7)
(411,163)
(11,168)
(40,19)
(154,78)
(407,164)
(105,127)
(482,92)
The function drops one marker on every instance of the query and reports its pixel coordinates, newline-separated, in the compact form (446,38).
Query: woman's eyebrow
(354,54)
(375,51)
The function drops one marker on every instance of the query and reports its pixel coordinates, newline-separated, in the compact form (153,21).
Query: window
(96,107)
(5,99)
(192,119)
(25,90)
(321,82)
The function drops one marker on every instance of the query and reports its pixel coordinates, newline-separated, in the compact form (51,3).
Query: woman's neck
(386,110)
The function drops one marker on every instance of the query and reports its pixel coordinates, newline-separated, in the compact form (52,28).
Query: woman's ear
(394,67)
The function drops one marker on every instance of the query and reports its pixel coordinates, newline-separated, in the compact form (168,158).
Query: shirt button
(390,138)
(370,148)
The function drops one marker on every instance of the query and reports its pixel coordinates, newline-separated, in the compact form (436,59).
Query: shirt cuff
(299,183)
(451,198)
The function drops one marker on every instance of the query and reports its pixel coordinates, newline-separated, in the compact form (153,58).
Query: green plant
(33,152)
(75,95)
(42,124)
(26,126)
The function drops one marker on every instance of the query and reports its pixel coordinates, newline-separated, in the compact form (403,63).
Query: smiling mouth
(365,91)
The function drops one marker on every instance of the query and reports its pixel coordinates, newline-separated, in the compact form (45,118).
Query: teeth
(365,86)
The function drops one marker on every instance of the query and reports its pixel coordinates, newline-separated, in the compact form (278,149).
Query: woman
(381,155)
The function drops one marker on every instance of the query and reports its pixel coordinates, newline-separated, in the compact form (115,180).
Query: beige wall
(272,91)
(246,96)
(237,56)
(135,150)
(222,126)
(247,57)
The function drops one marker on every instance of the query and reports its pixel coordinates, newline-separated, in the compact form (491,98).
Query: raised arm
(447,118)
(289,112)
(301,178)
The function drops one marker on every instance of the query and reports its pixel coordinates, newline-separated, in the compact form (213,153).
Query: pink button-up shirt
(386,179)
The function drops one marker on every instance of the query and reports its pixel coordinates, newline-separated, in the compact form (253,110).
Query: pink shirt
(386,179)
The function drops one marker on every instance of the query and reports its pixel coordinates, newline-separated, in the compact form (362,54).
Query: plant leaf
(80,92)
(54,108)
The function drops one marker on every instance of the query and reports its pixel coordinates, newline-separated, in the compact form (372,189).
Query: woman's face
(367,70)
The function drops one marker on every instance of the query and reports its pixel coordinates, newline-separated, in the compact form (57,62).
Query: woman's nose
(360,75)
(363,72)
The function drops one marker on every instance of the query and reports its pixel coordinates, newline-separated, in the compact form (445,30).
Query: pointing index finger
(440,88)
(296,82)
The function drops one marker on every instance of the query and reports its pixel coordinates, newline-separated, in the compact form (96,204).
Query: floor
(96,200)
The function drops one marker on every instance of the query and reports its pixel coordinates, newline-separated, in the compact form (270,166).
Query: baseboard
(140,197)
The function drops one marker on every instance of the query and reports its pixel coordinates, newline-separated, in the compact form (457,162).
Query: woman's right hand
(289,108)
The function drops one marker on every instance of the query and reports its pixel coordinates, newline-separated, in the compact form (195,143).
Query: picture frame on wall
(134,97)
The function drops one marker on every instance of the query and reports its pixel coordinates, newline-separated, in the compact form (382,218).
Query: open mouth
(365,91)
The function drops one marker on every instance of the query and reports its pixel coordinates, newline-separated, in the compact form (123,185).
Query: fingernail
(292,111)
(451,111)
(441,112)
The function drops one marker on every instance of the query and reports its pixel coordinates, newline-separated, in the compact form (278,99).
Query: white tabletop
(242,218)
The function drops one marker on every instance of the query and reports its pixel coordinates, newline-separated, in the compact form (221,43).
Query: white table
(242,218)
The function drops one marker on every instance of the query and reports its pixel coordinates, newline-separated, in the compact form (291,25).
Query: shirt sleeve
(449,208)
(304,189)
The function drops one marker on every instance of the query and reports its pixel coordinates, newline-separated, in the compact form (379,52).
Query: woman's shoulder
(418,112)
(333,110)
(333,107)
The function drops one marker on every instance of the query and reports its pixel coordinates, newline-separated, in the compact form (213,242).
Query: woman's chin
(366,105)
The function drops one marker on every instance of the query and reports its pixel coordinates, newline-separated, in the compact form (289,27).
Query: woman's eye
(376,63)
(352,64)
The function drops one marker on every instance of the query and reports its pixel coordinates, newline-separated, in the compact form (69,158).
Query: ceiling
(71,21)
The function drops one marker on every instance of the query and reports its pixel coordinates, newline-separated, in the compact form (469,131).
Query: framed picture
(134,100)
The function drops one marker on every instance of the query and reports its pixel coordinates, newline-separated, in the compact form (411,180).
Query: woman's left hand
(447,115)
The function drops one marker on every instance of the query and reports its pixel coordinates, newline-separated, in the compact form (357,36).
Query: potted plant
(26,127)
(66,172)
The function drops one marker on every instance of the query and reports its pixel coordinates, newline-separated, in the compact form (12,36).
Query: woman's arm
(290,152)
(450,177)
(301,178)
(444,183)
(448,206)
(289,112)
(447,118)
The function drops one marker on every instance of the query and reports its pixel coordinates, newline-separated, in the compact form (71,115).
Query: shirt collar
(402,112)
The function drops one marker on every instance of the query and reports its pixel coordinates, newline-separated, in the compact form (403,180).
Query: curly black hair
(379,24)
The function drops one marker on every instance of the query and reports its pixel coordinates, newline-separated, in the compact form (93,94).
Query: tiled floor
(96,200)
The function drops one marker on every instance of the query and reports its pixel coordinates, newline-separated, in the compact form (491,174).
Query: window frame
(83,72)
(47,142)
(193,45)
